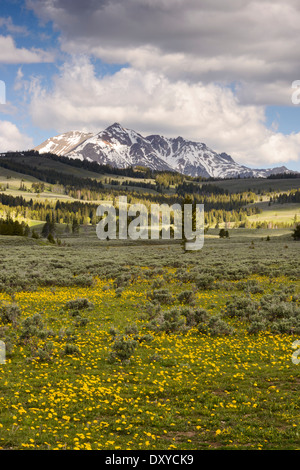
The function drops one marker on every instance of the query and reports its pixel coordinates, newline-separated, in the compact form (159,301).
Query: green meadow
(133,346)
(277,213)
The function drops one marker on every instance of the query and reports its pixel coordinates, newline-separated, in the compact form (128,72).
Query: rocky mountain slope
(121,147)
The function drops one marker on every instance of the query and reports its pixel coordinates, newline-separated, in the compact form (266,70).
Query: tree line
(293,196)
(65,212)
(9,226)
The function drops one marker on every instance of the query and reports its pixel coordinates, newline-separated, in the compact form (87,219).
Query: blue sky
(203,70)
(21,25)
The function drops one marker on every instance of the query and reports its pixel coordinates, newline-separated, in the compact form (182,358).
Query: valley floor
(143,346)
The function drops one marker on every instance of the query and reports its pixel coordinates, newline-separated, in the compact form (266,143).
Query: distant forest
(220,205)
(293,196)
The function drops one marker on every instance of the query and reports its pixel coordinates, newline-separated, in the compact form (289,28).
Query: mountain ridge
(121,147)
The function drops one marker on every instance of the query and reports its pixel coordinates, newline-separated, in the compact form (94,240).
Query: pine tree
(296,233)
(75,226)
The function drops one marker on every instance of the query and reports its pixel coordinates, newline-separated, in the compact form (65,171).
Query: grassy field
(165,349)
(63,168)
(276,213)
(258,184)
(14,180)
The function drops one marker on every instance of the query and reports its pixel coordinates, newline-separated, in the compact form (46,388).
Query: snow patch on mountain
(64,143)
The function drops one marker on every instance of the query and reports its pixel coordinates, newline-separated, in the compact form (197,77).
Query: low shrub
(43,354)
(278,312)
(9,313)
(162,296)
(186,297)
(34,327)
(71,349)
(195,316)
(152,309)
(204,281)
(81,321)
(157,283)
(131,329)
(122,280)
(78,304)
(215,326)
(171,321)
(123,348)
(119,291)
(183,319)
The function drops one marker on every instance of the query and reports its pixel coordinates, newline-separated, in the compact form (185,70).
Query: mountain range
(120,147)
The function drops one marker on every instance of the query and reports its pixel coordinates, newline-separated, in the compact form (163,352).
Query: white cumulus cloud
(11,54)
(12,139)
(149,102)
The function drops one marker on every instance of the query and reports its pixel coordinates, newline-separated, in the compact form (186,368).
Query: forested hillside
(69,190)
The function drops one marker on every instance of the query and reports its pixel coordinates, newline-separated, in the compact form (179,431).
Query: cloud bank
(204,70)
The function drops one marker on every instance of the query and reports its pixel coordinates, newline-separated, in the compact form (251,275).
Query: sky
(220,72)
